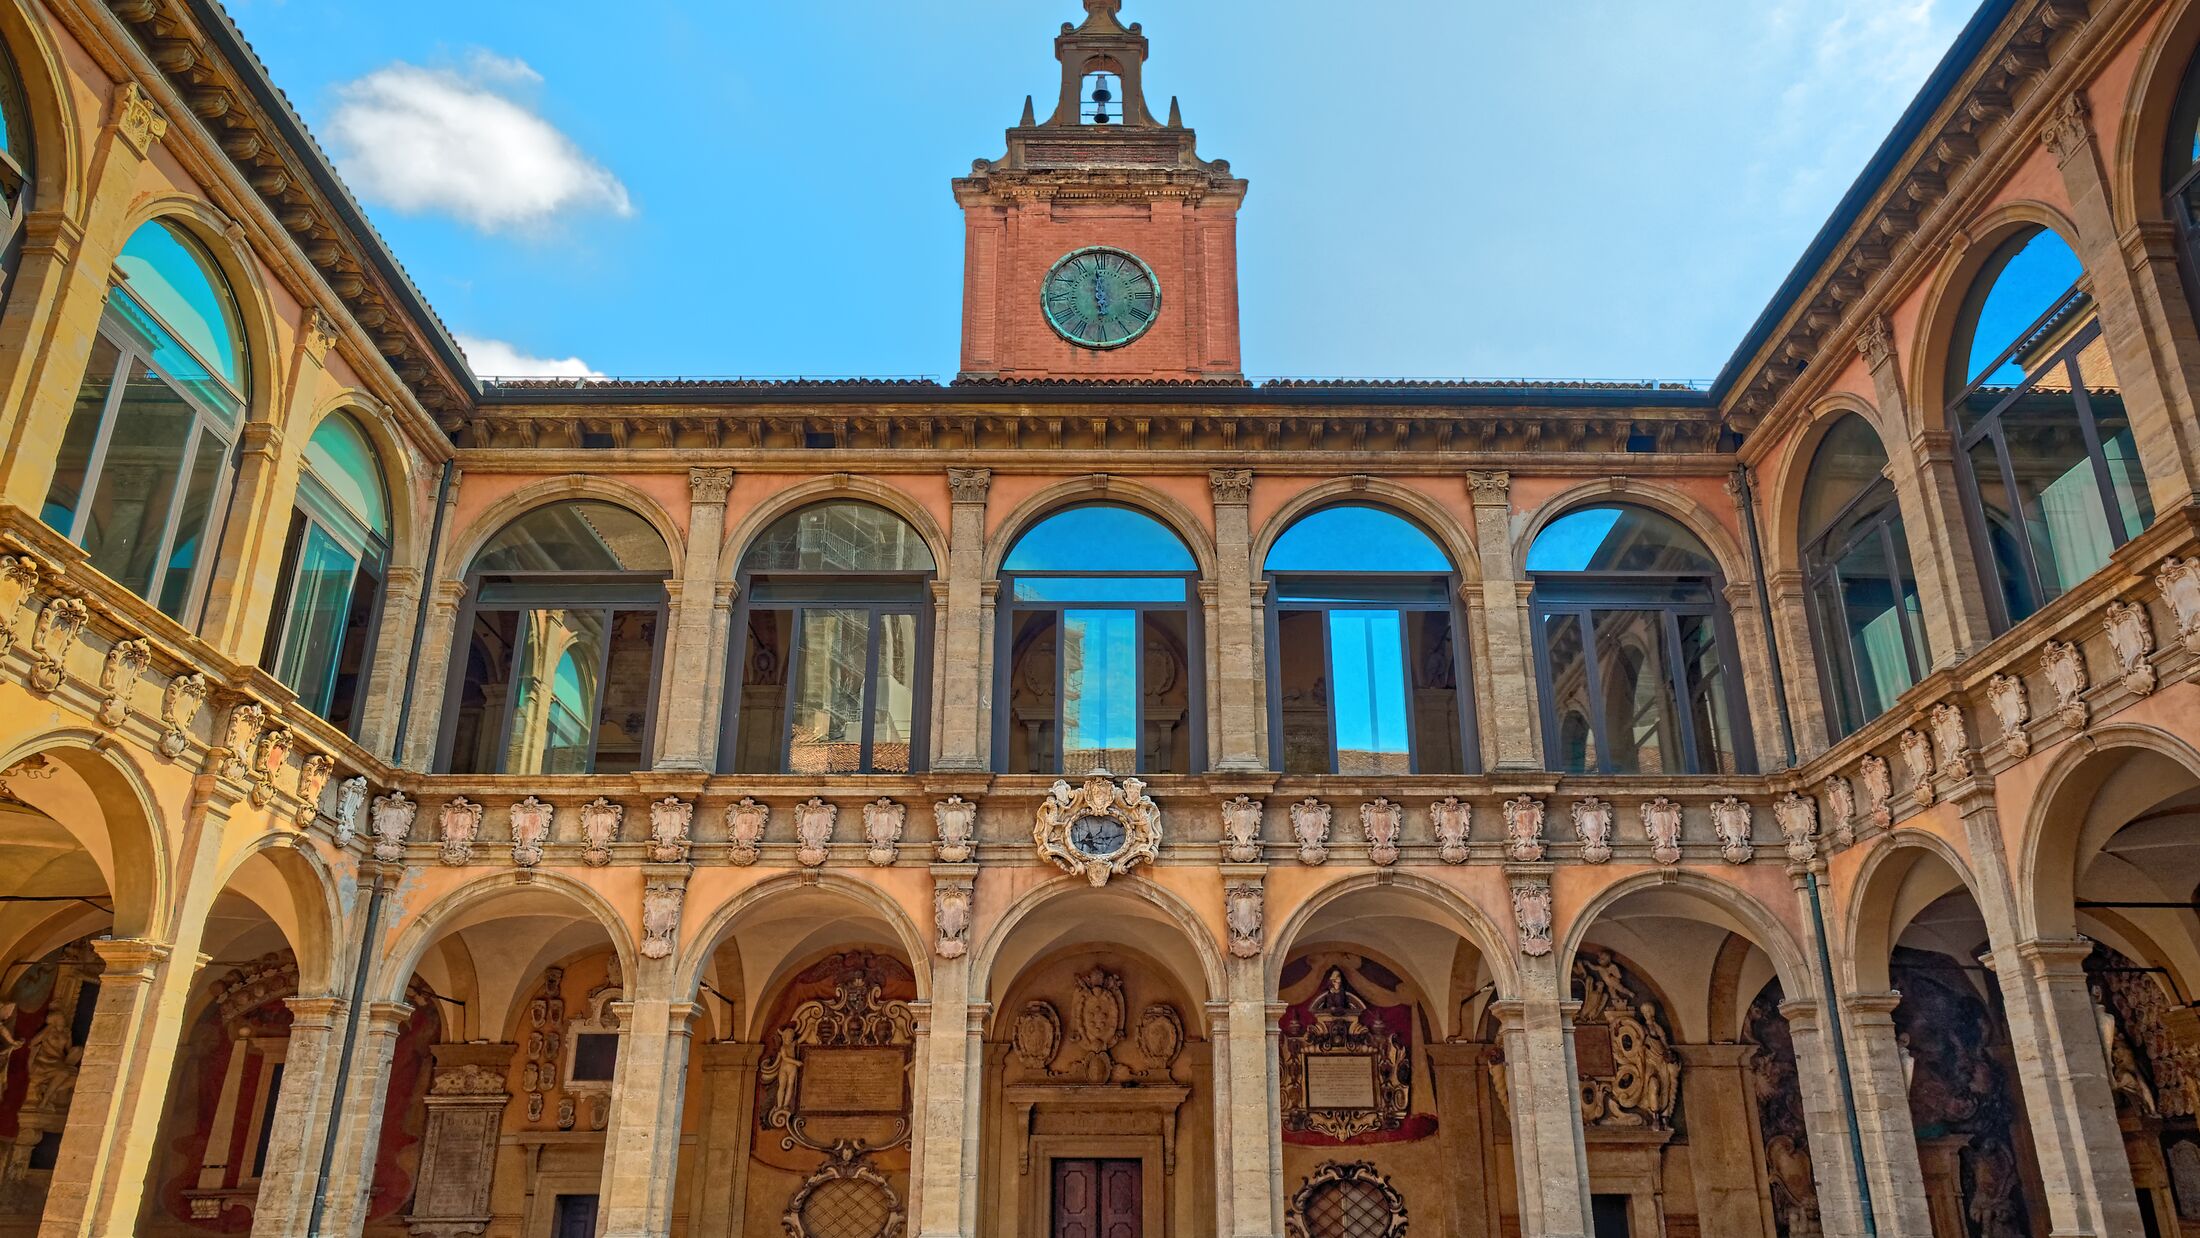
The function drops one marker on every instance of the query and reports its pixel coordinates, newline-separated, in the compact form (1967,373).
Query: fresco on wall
(1958,1086)
(44,1020)
(1779,1094)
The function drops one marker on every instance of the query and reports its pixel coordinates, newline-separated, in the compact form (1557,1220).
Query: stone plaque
(852,1080)
(1340,1080)
(1593,1050)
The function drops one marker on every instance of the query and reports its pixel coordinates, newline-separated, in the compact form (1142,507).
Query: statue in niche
(1630,1074)
(1347,1068)
(50,1062)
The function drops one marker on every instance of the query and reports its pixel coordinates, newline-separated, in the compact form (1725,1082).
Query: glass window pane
(554,704)
(1640,724)
(578,536)
(67,488)
(2028,276)
(825,727)
(15,134)
(894,695)
(622,727)
(355,652)
(194,524)
(1566,683)
(319,605)
(1439,741)
(129,511)
(1099,691)
(1099,538)
(1355,538)
(763,670)
(838,537)
(1165,695)
(167,273)
(1303,691)
(2005,532)
(340,456)
(1032,693)
(1367,669)
(1873,621)
(1619,538)
(484,693)
(1703,677)
(2126,476)
(1848,462)
(2065,524)
(1100,588)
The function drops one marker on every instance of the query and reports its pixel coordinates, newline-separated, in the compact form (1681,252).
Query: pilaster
(1881,1085)
(642,1140)
(416,748)
(1825,1121)
(1550,1156)
(300,1121)
(963,712)
(945,1163)
(684,742)
(247,565)
(1507,655)
(729,1125)
(1241,714)
(359,1124)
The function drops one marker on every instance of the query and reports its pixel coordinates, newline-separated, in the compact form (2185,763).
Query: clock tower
(1101,245)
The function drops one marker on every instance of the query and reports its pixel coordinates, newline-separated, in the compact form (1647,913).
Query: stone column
(1880,1081)
(1825,1120)
(688,659)
(642,1140)
(1551,1160)
(1459,1069)
(359,1124)
(299,1122)
(458,1152)
(1726,1161)
(1508,655)
(964,709)
(944,1171)
(1248,1123)
(1241,696)
(721,1197)
(416,748)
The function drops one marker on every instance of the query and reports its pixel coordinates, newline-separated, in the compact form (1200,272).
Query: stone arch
(1206,983)
(1453,909)
(826,490)
(134,857)
(2058,828)
(490,521)
(710,933)
(233,256)
(1927,377)
(58,178)
(1720,903)
(1417,508)
(1872,911)
(2142,132)
(405,951)
(1656,496)
(400,468)
(1102,488)
(313,923)
(1782,494)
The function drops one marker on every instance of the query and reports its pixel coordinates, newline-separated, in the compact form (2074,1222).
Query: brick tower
(1101,245)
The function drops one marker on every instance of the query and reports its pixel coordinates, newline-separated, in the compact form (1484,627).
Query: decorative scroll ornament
(813,830)
(1451,820)
(1797,817)
(1917,754)
(600,820)
(118,678)
(1524,829)
(1099,830)
(457,826)
(882,825)
(1379,823)
(1036,1036)
(2006,697)
(1353,1188)
(2064,667)
(18,583)
(857,1016)
(60,621)
(951,914)
(745,824)
(1241,830)
(1096,1015)
(351,800)
(847,1184)
(670,819)
(1338,1024)
(313,776)
(1593,826)
(1952,741)
(238,734)
(271,751)
(1244,908)
(1310,825)
(1644,1082)
(661,917)
(2179,581)
(393,822)
(1878,788)
(180,703)
(1730,824)
(530,820)
(2131,634)
(954,829)
(1532,913)
(1661,824)
(1841,809)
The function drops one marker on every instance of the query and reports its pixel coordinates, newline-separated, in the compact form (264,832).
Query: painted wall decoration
(43,1022)
(2152,1072)
(1958,1086)
(1779,1095)
(1347,1054)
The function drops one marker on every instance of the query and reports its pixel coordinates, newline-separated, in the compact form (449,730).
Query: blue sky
(1592,189)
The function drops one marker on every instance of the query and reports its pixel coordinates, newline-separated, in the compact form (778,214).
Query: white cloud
(498,359)
(443,140)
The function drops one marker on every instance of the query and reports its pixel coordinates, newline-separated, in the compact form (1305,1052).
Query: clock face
(1100,298)
(1096,836)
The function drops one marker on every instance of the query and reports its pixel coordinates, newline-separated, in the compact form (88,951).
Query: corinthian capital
(709,485)
(969,485)
(2068,129)
(1231,487)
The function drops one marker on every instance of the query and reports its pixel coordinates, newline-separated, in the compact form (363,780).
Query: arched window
(558,671)
(2050,473)
(833,634)
(145,458)
(1367,668)
(1634,647)
(1863,594)
(2181,174)
(333,564)
(1098,665)
(15,167)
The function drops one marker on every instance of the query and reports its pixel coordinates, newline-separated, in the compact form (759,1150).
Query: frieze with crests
(2064,666)
(661,917)
(351,800)
(1126,832)
(670,819)
(1380,822)
(530,819)
(1524,829)
(1841,809)
(813,830)
(746,821)
(18,584)
(180,702)
(1451,821)
(1797,817)
(1310,825)
(600,821)
(457,826)
(2179,581)
(118,678)
(1917,755)
(1593,826)
(1244,909)
(1661,825)
(2005,695)
(1730,824)
(1878,788)
(393,821)
(951,916)
(60,621)
(1531,899)
(883,820)
(2131,635)
(1951,741)
(1241,829)
(954,829)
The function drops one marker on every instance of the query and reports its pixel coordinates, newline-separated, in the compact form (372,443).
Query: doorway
(1608,1216)
(575,1217)
(1098,1199)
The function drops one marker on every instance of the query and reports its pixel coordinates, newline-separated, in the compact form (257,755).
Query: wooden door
(1098,1199)
(575,1217)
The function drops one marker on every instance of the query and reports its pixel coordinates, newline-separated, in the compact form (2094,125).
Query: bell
(1100,93)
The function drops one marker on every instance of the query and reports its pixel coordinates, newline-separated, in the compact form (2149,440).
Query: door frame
(1038,1207)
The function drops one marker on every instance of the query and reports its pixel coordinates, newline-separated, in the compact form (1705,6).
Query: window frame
(23,173)
(864,591)
(370,552)
(1840,675)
